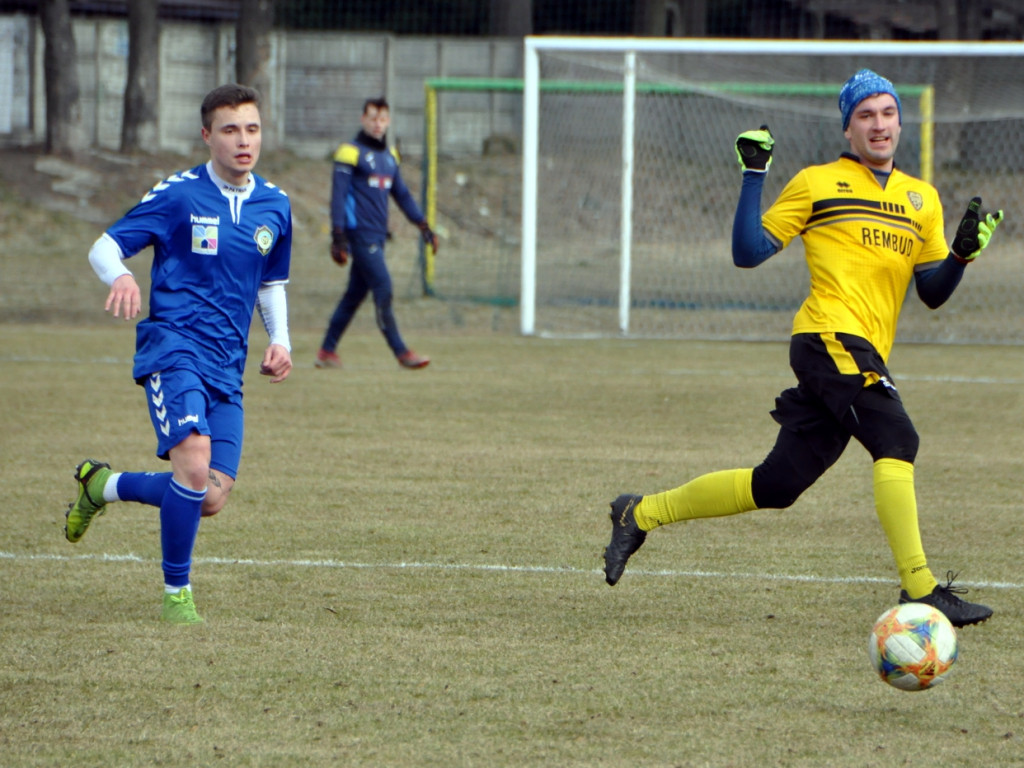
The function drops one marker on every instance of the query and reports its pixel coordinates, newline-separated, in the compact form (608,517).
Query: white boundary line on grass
(486,568)
(780,373)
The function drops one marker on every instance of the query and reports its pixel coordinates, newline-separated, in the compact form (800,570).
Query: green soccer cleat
(91,475)
(179,608)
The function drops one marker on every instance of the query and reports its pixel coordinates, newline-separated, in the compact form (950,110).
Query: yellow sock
(896,504)
(712,495)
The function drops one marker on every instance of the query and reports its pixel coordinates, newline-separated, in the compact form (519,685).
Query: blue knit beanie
(859,87)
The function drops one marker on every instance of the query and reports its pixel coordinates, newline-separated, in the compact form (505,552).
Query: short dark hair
(230,95)
(380,103)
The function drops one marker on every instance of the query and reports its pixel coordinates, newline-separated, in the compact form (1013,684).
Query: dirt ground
(100,185)
(52,209)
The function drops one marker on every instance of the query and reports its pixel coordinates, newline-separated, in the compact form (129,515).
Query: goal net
(630,179)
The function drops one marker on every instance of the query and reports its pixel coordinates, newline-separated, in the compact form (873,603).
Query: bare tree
(672,18)
(64,130)
(139,125)
(253,56)
(513,18)
(956,21)
(649,18)
(694,17)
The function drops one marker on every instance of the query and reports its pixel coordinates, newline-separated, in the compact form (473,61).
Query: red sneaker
(325,359)
(410,359)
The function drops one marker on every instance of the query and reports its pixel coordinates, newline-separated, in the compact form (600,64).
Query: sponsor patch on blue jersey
(204,239)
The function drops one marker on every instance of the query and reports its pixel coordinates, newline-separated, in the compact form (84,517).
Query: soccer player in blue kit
(221,240)
(366,175)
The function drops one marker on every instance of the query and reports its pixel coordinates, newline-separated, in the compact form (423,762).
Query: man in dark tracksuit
(365,174)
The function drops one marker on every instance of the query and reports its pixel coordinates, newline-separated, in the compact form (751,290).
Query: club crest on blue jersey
(264,238)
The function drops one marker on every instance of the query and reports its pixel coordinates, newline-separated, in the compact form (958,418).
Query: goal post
(626,89)
(629,179)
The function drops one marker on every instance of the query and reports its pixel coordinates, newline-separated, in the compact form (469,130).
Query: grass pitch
(409,570)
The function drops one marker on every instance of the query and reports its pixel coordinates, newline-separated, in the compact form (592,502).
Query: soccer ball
(913,646)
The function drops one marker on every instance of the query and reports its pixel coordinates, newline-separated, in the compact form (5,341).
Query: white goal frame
(629,47)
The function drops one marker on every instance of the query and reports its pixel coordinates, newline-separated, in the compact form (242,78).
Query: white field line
(781,372)
(485,568)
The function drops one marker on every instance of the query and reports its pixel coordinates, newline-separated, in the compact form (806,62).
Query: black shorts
(832,371)
(843,390)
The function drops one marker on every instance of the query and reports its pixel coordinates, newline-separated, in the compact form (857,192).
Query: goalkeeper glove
(339,246)
(974,232)
(754,150)
(428,235)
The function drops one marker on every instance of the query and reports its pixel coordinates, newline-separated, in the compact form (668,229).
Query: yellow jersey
(862,244)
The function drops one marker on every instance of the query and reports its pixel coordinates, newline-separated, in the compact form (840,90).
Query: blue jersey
(213,246)
(365,174)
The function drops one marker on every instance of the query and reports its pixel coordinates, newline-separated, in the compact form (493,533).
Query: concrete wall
(319,84)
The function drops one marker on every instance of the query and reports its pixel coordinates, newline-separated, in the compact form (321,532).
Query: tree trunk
(956,21)
(252,42)
(948,19)
(64,131)
(694,17)
(649,18)
(139,124)
(511,18)
(254,58)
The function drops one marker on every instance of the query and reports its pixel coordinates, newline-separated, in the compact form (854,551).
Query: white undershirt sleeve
(272,304)
(107,260)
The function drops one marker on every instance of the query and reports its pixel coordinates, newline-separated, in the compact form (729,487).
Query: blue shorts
(180,404)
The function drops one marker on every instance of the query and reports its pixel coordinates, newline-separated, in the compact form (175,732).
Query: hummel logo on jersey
(159,409)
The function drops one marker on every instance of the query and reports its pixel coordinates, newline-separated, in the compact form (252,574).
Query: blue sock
(143,487)
(179,524)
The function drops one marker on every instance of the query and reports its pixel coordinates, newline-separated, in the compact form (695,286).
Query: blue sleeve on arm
(936,284)
(405,200)
(750,245)
(341,180)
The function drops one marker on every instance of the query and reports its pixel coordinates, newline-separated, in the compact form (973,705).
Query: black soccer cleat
(944,597)
(626,537)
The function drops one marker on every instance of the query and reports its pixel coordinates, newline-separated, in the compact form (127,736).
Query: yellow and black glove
(754,150)
(974,232)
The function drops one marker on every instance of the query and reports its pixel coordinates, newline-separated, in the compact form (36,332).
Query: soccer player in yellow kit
(868,230)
